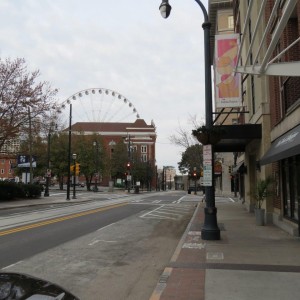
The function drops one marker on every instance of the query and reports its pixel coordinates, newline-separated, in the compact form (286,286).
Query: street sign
(128,177)
(207,153)
(207,183)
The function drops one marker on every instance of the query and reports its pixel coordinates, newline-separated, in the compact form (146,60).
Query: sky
(124,46)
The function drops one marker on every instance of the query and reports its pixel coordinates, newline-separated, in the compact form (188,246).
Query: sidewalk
(249,262)
(82,196)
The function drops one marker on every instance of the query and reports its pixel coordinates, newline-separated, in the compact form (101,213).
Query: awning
(239,168)
(237,137)
(285,146)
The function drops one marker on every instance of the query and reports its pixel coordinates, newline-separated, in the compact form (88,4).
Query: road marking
(12,265)
(97,241)
(215,255)
(105,226)
(231,200)
(156,201)
(194,246)
(56,220)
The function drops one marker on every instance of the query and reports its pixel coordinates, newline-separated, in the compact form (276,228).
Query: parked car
(81,184)
(192,189)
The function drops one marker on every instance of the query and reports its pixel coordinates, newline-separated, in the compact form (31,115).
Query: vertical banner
(227,85)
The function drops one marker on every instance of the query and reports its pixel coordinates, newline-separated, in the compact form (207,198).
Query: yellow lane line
(56,220)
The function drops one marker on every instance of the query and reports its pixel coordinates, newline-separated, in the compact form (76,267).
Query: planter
(208,136)
(259,216)
(203,138)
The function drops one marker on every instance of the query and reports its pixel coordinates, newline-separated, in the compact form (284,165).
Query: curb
(162,283)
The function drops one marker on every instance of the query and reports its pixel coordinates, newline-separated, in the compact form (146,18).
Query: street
(102,241)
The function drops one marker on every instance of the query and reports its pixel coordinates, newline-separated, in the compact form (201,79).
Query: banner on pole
(227,84)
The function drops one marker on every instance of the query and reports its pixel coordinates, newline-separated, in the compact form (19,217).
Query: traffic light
(77,169)
(128,166)
(72,168)
(229,169)
(194,174)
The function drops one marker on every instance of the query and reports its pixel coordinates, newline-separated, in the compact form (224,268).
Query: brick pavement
(249,262)
(184,279)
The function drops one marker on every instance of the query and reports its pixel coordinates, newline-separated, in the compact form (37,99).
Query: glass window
(291,187)
(144,149)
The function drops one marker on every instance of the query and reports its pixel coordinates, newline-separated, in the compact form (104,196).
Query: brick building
(139,137)
(268,61)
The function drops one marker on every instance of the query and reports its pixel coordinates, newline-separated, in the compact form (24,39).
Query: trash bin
(137,189)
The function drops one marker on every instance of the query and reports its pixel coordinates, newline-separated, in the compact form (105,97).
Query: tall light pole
(48,172)
(96,145)
(210,229)
(74,175)
(69,153)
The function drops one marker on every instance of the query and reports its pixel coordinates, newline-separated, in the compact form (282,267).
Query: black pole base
(210,230)
(46,194)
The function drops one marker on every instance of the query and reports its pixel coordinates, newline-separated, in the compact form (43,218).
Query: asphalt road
(117,252)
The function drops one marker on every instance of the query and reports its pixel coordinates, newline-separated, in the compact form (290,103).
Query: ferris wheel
(100,105)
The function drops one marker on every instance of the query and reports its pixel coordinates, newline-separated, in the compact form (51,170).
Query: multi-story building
(8,158)
(268,59)
(139,137)
(166,178)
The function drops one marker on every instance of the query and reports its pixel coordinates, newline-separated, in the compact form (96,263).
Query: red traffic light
(128,165)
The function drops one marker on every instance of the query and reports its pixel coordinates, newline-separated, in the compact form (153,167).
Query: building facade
(139,137)
(268,63)
(8,158)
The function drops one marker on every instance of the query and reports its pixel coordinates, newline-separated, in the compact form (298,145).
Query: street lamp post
(74,175)
(69,153)
(48,172)
(96,145)
(195,178)
(210,229)
(46,193)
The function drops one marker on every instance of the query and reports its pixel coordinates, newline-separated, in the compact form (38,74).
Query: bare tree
(183,137)
(20,92)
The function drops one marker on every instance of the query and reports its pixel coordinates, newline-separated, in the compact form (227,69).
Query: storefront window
(291,186)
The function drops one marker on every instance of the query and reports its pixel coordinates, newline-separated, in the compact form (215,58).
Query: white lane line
(105,227)
(97,241)
(12,265)
(153,216)
(231,199)
(156,201)
(150,212)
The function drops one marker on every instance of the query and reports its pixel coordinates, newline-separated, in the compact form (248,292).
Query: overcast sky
(124,46)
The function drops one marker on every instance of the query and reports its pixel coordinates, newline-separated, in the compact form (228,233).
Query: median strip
(56,220)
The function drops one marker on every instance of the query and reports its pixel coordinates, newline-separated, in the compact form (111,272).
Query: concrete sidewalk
(249,262)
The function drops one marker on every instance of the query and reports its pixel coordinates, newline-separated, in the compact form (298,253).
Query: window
(144,149)
(230,22)
(3,161)
(225,21)
(291,188)
(2,171)
(144,157)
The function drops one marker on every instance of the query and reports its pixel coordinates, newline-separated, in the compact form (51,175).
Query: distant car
(81,184)
(192,189)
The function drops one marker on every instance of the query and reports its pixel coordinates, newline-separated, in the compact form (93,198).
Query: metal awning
(238,168)
(236,137)
(263,62)
(285,146)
